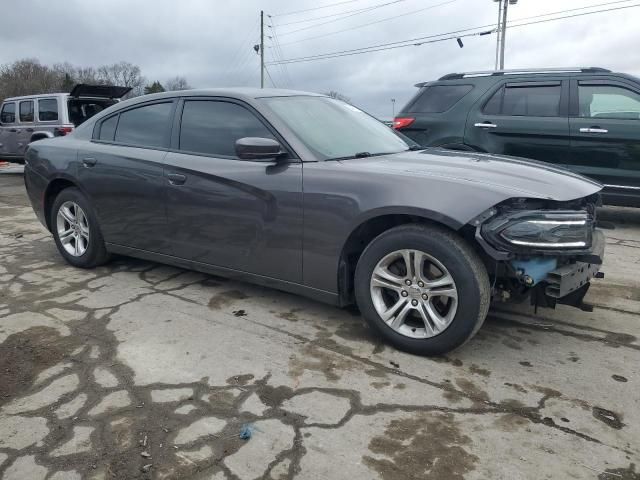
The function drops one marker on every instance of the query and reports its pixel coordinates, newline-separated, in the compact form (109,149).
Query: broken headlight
(540,230)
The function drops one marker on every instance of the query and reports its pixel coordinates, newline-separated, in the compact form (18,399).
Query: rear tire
(75,229)
(428,283)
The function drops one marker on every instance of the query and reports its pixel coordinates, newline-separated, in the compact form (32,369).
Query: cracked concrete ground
(139,370)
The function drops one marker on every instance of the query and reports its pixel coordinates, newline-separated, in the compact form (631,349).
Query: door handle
(176,178)
(89,162)
(13,130)
(485,125)
(594,130)
(29,129)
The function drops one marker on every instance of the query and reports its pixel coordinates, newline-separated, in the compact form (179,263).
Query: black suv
(585,119)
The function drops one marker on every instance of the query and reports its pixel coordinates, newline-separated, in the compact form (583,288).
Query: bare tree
(177,83)
(24,77)
(124,74)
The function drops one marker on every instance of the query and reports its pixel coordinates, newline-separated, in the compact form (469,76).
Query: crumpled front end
(544,250)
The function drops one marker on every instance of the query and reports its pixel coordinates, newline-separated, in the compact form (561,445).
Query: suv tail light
(402,122)
(62,131)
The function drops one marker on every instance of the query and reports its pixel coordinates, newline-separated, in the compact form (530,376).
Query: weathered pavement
(138,370)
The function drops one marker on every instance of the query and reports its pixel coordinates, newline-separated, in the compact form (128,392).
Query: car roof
(243,93)
(39,95)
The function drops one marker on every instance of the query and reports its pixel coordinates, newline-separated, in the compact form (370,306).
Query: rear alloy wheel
(422,288)
(76,231)
(73,228)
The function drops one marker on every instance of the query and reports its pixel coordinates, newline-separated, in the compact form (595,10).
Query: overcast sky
(209,41)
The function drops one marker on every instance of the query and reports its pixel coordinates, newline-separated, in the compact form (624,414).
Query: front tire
(75,229)
(422,288)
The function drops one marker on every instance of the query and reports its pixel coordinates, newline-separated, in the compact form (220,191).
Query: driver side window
(608,101)
(212,127)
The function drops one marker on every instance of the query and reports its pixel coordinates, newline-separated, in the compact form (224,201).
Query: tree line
(29,77)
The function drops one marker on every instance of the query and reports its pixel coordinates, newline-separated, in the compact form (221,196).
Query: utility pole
(393,108)
(503,6)
(261,49)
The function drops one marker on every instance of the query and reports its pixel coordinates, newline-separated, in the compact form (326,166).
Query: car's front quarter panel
(338,199)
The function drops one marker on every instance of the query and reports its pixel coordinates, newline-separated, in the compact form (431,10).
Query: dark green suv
(586,119)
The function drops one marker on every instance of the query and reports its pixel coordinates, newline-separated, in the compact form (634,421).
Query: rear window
(439,98)
(26,111)
(8,114)
(47,110)
(108,128)
(525,101)
(145,126)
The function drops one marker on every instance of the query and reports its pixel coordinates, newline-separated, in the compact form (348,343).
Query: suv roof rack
(519,71)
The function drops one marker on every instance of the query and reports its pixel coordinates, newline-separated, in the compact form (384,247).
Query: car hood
(522,177)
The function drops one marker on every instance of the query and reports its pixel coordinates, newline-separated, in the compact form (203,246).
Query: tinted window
(145,126)
(108,128)
(26,111)
(439,98)
(213,127)
(8,114)
(607,101)
(530,101)
(47,110)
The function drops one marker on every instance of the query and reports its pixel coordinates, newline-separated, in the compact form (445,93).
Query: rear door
(122,172)
(605,132)
(8,129)
(224,211)
(26,117)
(523,119)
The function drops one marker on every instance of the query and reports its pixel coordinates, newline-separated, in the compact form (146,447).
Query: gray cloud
(209,41)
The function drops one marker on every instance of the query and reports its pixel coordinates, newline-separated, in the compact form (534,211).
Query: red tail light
(62,131)
(402,122)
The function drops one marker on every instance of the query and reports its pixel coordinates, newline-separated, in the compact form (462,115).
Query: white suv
(33,117)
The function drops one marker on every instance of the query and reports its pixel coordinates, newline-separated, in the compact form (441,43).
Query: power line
(315,8)
(279,53)
(453,35)
(365,9)
(341,18)
(273,84)
(371,23)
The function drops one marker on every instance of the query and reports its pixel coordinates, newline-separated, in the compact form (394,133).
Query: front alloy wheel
(73,228)
(423,288)
(414,293)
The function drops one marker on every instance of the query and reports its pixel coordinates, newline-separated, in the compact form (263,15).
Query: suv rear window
(8,114)
(47,110)
(438,98)
(525,101)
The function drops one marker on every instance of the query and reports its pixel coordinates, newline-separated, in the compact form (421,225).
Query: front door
(122,172)
(8,130)
(232,213)
(605,132)
(523,119)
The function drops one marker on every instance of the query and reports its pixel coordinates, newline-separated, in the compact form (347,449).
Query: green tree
(155,87)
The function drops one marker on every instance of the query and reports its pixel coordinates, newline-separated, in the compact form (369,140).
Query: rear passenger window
(26,111)
(212,127)
(8,114)
(608,101)
(439,98)
(145,126)
(108,128)
(47,110)
(526,100)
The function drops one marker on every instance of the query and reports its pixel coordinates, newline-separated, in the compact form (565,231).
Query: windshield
(333,129)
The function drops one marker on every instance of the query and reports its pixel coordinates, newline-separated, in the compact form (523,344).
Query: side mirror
(258,149)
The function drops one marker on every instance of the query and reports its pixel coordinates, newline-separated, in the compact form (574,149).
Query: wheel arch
(40,136)
(368,228)
(54,187)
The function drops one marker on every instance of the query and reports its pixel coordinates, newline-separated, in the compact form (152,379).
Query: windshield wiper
(357,155)
(414,148)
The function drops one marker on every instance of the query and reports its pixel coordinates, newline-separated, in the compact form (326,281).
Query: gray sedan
(308,194)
